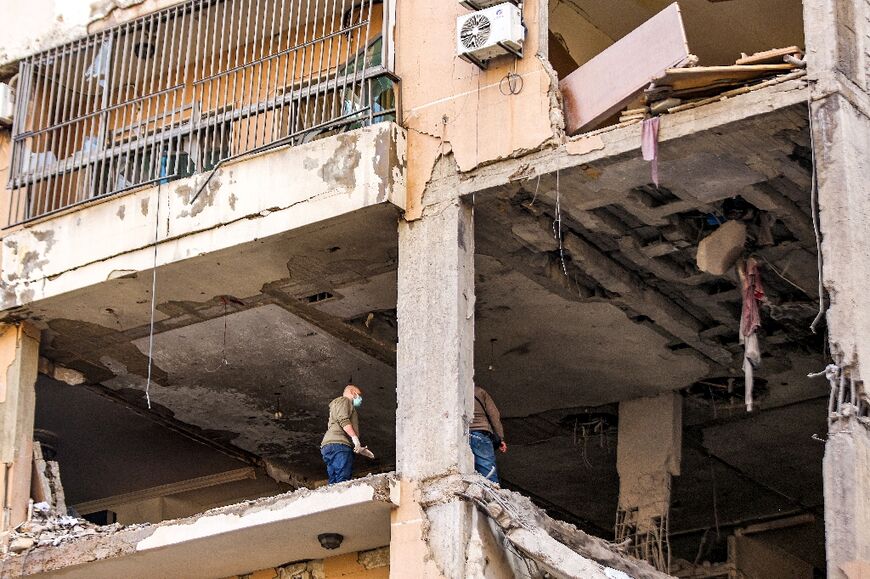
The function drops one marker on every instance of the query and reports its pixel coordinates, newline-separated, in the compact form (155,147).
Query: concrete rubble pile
(558,549)
(48,527)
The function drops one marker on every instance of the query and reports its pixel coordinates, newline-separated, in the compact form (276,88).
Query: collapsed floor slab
(554,547)
(259,534)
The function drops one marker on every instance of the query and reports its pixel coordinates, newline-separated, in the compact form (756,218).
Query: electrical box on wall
(7,104)
(482,4)
(487,34)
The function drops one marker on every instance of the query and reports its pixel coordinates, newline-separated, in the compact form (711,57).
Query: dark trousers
(484,454)
(339,462)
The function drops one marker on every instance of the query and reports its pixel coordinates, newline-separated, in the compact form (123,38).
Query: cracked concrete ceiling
(618,311)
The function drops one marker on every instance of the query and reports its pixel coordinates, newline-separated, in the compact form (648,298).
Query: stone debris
(548,541)
(49,527)
(718,252)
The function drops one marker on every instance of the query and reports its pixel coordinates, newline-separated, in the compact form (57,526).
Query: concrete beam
(381,351)
(642,298)
(19,360)
(183,486)
(632,292)
(616,141)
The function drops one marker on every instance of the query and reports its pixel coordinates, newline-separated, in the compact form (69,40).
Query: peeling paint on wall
(268,194)
(340,169)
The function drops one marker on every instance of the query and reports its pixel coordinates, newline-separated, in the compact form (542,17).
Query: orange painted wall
(449,105)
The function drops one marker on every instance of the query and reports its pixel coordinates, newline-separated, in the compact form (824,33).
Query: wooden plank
(608,82)
(774,56)
(683,80)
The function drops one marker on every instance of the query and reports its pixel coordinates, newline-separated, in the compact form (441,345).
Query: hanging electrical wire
(814,209)
(224,361)
(153,298)
(557,226)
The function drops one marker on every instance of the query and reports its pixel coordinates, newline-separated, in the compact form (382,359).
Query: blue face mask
(357,402)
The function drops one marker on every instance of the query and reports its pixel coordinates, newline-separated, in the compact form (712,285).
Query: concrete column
(648,454)
(847,499)
(838,45)
(19,359)
(434,371)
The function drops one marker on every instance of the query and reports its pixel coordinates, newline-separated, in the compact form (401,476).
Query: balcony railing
(184,89)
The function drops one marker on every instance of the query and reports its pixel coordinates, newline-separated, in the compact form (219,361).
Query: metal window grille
(183,89)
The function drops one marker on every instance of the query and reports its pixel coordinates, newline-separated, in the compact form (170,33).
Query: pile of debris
(555,548)
(48,520)
(46,526)
(689,85)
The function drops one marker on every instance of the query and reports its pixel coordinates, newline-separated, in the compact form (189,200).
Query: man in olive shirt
(342,435)
(485,434)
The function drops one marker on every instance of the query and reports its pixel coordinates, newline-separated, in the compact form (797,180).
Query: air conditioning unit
(487,34)
(7,104)
(481,4)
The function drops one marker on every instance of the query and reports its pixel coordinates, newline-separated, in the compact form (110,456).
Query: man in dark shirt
(486,434)
(341,440)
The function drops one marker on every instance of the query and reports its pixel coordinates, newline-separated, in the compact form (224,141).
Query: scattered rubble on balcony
(48,521)
(49,527)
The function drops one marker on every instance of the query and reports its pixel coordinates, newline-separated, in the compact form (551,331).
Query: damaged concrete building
(640,225)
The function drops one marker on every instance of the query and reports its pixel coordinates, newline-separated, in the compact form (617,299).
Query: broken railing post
(434,373)
(19,358)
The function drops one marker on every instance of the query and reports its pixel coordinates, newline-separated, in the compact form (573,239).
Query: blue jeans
(339,462)
(484,454)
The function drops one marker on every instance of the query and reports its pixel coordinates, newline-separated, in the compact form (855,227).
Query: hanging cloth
(750,321)
(649,140)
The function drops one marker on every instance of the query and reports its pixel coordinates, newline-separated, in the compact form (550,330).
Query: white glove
(356,443)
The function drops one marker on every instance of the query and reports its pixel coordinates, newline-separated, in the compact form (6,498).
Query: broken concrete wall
(451,106)
(842,138)
(243,201)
